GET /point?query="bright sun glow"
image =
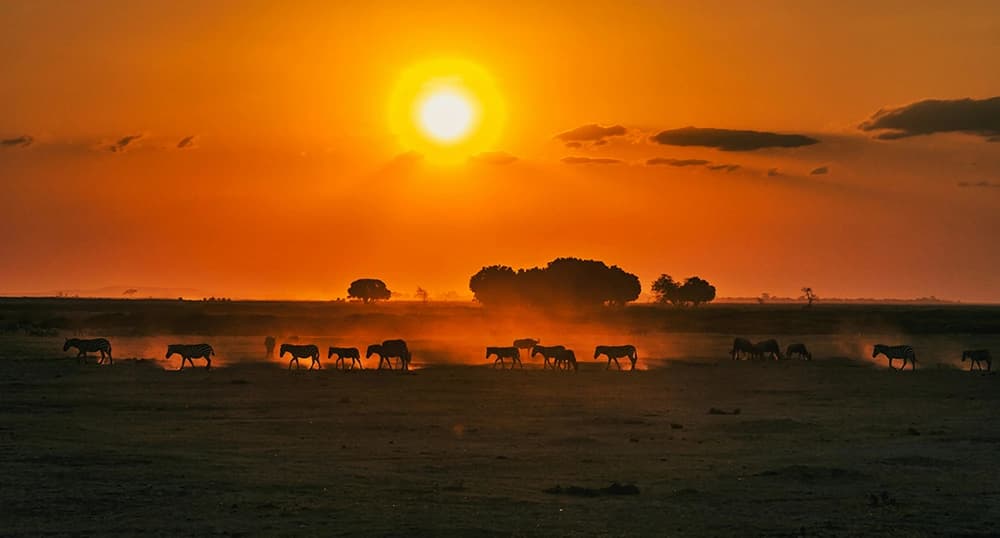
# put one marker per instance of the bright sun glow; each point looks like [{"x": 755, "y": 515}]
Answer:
[
  {"x": 447, "y": 110},
  {"x": 446, "y": 115}
]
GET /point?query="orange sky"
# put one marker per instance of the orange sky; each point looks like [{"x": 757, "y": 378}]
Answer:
[{"x": 295, "y": 183}]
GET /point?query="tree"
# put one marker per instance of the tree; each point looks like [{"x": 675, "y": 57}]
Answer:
[
  {"x": 667, "y": 290},
  {"x": 565, "y": 282},
  {"x": 368, "y": 290},
  {"x": 693, "y": 291},
  {"x": 810, "y": 296},
  {"x": 421, "y": 294},
  {"x": 697, "y": 291}
]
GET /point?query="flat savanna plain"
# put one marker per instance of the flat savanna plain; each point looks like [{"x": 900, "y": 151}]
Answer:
[{"x": 833, "y": 447}]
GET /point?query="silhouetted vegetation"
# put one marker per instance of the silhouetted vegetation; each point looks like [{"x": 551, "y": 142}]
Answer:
[
  {"x": 568, "y": 282},
  {"x": 368, "y": 290},
  {"x": 809, "y": 295},
  {"x": 693, "y": 291}
]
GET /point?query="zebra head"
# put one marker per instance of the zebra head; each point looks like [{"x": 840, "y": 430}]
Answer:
[
  {"x": 373, "y": 350},
  {"x": 67, "y": 345},
  {"x": 965, "y": 355},
  {"x": 171, "y": 349},
  {"x": 879, "y": 348}
]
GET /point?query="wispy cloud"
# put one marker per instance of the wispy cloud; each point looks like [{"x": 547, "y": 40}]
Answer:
[
  {"x": 187, "y": 142},
  {"x": 124, "y": 142},
  {"x": 730, "y": 139},
  {"x": 675, "y": 162},
  {"x": 592, "y": 133},
  {"x": 979, "y": 117},
  {"x": 19, "y": 142},
  {"x": 590, "y": 160},
  {"x": 822, "y": 170}
]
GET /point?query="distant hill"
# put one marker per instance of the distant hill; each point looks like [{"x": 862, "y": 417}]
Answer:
[{"x": 117, "y": 292}]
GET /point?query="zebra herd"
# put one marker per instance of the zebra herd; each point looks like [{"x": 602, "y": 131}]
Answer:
[{"x": 555, "y": 357}]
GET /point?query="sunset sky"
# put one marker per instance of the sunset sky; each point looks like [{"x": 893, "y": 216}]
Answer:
[{"x": 272, "y": 149}]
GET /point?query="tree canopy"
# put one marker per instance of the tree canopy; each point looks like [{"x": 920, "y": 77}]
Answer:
[
  {"x": 568, "y": 282},
  {"x": 693, "y": 291},
  {"x": 368, "y": 290}
]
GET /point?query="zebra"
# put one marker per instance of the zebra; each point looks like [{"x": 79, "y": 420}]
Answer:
[
  {"x": 564, "y": 359},
  {"x": 388, "y": 350},
  {"x": 896, "y": 352},
  {"x": 800, "y": 350},
  {"x": 89, "y": 346},
  {"x": 526, "y": 343},
  {"x": 767, "y": 347},
  {"x": 616, "y": 352},
  {"x": 502, "y": 353},
  {"x": 346, "y": 353},
  {"x": 192, "y": 351},
  {"x": 977, "y": 357},
  {"x": 269, "y": 346},
  {"x": 547, "y": 352},
  {"x": 300, "y": 352},
  {"x": 741, "y": 347}
]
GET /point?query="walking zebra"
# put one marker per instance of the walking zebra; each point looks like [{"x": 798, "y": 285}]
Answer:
[
  {"x": 767, "y": 347},
  {"x": 269, "y": 346},
  {"x": 896, "y": 352},
  {"x": 741, "y": 348},
  {"x": 547, "y": 352},
  {"x": 300, "y": 352},
  {"x": 800, "y": 350},
  {"x": 388, "y": 350},
  {"x": 617, "y": 352},
  {"x": 977, "y": 357},
  {"x": 90, "y": 346},
  {"x": 502, "y": 353},
  {"x": 345, "y": 353},
  {"x": 192, "y": 351},
  {"x": 526, "y": 343},
  {"x": 564, "y": 359}
]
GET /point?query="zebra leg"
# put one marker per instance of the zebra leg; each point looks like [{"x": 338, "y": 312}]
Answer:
[{"x": 618, "y": 364}]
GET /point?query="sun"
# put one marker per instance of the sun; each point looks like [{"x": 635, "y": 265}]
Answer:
[
  {"x": 448, "y": 110},
  {"x": 446, "y": 115}
]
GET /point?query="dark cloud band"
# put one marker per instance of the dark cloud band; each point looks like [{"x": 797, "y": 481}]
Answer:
[
  {"x": 980, "y": 117},
  {"x": 730, "y": 139}
]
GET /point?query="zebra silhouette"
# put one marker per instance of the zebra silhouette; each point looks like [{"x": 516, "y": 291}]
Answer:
[
  {"x": 346, "y": 353},
  {"x": 896, "y": 352},
  {"x": 388, "y": 350},
  {"x": 502, "y": 353},
  {"x": 304, "y": 351},
  {"x": 767, "y": 347},
  {"x": 526, "y": 343},
  {"x": 564, "y": 359},
  {"x": 547, "y": 353},
  {"x": 977, "y": 357},
  {"x": 613, "y": 353},
  {"x": 742, "y": 348},
  {"x": 800, "y": 350},
  {"x": 90, "y": 346},
  {"x": 192, "y": 351}
]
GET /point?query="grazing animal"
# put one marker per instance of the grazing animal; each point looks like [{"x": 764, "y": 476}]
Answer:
[
  {"x": 526, "y": 343},
  {"x": 977, "y": 357},
  {"x": 617, "y": 352},
  {"x": 502, "y": 353},
  {"x": 346, "y": 353},
  {"x": 388, "y": 350},
  {"x": 896, "y": 352},
  {"x": 547, "y": 352},
  {"x": 767, "y": 347},
  {"x": 90, "y": 346},
  {"x": 800, "y": 350},
  {"x": 741, "y": 348},
  {"x": 192, "y": 351},
  {"x": 300, "y": 352},
  {"x": 269, "y": 346},
  {"x": 564, "y": 359}
]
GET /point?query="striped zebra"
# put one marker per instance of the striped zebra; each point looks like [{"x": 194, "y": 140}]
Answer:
[
  {"x": 502, "y": 353},
  {"x": 617, "y": 352},
  {"x": 977, "y": 357},
  {"x": 192, "y": 351},
  {"x": 547, "y": 353},
  {"x": 800, "y": 350},
  {"x": 345, "y": 353},
  {"x": 564, "y": 359},
  {"x": 526, "y": 343},
  {"x": 742, "y": 348},
  {"x": 297, "y": 352},
  {"x": 90, "y": 346},
  {"x": 896, "y": 352},
  {"x": 269, "y": 346},
  {"x": 767, "y": 347},
  {"x": 388, "y": 350}
]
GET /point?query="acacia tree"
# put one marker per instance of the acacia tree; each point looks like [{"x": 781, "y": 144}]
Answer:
[
  {"x": 368, "y": 290},
  {"x": 693, "y": 291},
  {"x": 568, "y": 282}
]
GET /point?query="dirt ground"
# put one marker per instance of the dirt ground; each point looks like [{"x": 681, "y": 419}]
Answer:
[{"x": 832, "y": 447}]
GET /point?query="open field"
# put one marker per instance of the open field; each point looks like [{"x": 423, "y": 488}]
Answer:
[{"x": 833, "y": 447}]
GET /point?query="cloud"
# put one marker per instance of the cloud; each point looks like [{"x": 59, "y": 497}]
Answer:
[
  {"x": 820, "y": 171},
  {"x": 123, "y": 143},
  {"x": 676, "y": 162},
  {"x": 592, "y": 133},
  {"x": 730, "y": 139},
  {"x": 986, "y": 184},
  {"x": 186, "y": 142},
  {"x": 980, "y": 117},
  {"x": 772, "y": 172},
  {"x": 725, "y": 167},
  {"x": 494, "y": 157},
  {"x": 589, "y": 160},
  {"x": 19, "y": 142}
]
